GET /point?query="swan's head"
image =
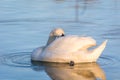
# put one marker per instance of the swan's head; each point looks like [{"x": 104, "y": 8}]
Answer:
[
  {"x": 58, "y": 32},
  {"x": 55, "y": 33}
]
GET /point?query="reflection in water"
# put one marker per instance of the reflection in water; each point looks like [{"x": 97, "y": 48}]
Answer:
[
  {"x": 77, "y": 11},
  {"x": 79, "y": 8},
  {"x": 87, "y": 71},
  {"x": 79, "y": 4},
  {"x": 59, "y": 1}
]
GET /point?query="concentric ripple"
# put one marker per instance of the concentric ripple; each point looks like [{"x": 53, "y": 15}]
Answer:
[
  {"x": 21, "y": 59},
  {"x": 107, "y": 61}
]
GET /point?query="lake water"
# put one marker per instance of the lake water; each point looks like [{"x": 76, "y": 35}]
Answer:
[{"x": 25, "y": 25}]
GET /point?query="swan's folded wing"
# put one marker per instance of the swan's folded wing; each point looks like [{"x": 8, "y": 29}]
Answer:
[{"x": 71, "y": 43}]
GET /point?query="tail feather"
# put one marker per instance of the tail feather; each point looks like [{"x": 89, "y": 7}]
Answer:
[{"x": 98, "y": 51}]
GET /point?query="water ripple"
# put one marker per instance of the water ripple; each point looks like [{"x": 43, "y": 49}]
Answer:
[
  {"x": 107, "y": 61},
  {"x": 22, "y": 59},
  {"x": 112, "y": 34}
]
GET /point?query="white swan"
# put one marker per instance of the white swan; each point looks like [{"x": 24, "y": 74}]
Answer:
[{"x": 64, "y": 49}]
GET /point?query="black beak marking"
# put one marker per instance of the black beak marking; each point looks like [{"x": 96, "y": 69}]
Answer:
[{"x": 62, "y": 35}]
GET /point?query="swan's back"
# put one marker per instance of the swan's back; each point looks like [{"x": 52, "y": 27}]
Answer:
[{"x": 71, "y": 43}]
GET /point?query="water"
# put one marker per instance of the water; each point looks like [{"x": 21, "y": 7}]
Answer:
[{"x": 25, "y": 25}]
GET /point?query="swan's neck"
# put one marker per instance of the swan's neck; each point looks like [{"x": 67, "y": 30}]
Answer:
[{"x": 51, "y": 39}]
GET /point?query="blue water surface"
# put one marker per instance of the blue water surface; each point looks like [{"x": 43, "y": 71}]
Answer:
[{"x": 26, "y": 24}]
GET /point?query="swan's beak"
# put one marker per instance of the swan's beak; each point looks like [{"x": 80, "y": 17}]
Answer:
[{"x": 62, "y": 35}]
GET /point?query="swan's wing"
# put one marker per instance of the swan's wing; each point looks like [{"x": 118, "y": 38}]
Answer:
[{"x": 71, "y": 43}]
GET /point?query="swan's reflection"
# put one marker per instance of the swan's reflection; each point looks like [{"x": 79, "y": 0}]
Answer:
[{"x": 87, "y": 71}]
